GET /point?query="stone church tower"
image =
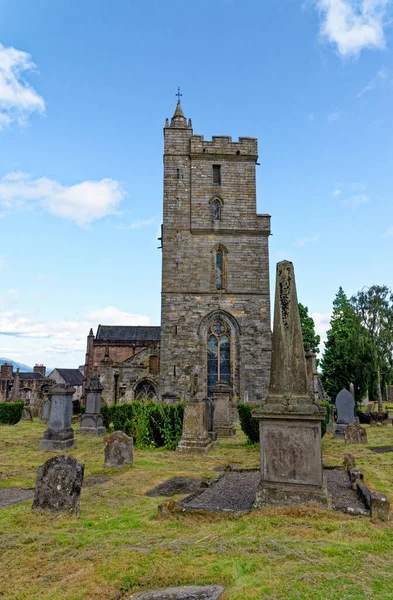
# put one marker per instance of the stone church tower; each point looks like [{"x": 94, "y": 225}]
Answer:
[{"x": 215, "y": 315}]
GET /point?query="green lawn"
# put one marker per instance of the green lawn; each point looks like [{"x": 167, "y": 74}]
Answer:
[{"x": 119, "y": 546}]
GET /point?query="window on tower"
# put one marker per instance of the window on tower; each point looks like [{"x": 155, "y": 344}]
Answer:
[
  {"x": 216, "y": 210},
  {"x": 220, "y": 270},
  {"x": 217, "y": 174}
]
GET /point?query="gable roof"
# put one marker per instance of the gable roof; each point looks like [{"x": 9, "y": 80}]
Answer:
[
  {"x": 127, "y": 333},
  {"x": 29, "y": 376},
  {"x": 71, "y": 376}
]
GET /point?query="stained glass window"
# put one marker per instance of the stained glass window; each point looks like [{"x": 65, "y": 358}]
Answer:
[
  {"x": 145, "y": 391},
  {"x": 219, "y": 270},
  {"x": 216, "y": 210},
  {"x": 218, "y": 355}
]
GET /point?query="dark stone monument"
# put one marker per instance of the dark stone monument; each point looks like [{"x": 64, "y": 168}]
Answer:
[
  {"x": 59, "y": 435},
  {"x": 223, "y": 420},
  {"x": 58, "y": 487},
  {"x": 289, "y": 419},
  {"x": 355, "y": 434},
  {"x": 345, "y": 406},
  {"x": 91, "y": 421},
  {"x": 119, "y": 450}
]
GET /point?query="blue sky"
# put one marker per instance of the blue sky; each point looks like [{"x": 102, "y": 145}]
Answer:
[{"x": 85, "y": 88}]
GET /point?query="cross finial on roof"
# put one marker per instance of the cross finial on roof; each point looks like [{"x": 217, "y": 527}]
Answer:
[{"x": 178, "y": 95}]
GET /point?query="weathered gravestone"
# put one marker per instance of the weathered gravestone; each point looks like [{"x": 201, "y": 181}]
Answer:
[
  {"x": 118, "y": 450},
  {"x": 223, "y": 422},
  {"x": 355, "y": 434},
  {"x": 195, "y": 437},
  {"x": 289, "y": 419},
  {"x": 186, "y": 592},
  {"x": 59, "y": 484},
  {"x": 91, "y": 421},
  {"x": 26, "y": 414},
  {"x": 45, "y": 411},
  {"x": 345, "y": 406},
  {"x": 210, "y": 418},
  {"x": 59, "y": 435}
]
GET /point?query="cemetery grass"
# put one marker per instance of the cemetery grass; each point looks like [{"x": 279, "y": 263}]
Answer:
[{"x": 119, "y": 545}]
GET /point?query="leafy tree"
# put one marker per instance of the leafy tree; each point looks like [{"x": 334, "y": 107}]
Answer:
[
  {"x": 310, "y": 338},
  {"x": 374, "y": 308},
  {"x": 347, "y": 352}
]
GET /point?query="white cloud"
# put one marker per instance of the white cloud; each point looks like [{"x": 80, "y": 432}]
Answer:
[
  {"x": 322, "y": 325},
  {"x": 57, "y": 341},
  {"x": 357, "y": 200},
  {"x": 335, "y": 116},
  {"x": 139, "y": 224},
  {"x": 82, "y": 202},
  {"x": 9, "y": 297},
  {"x": 353, "y": 25},
  {"x": 306, "y": 240},
  {"x": 380, "y": 78},
  {"x": 389, "y": 232},
  {"x": 17, "y": 98},
  {"x": 336, "y": 192}
]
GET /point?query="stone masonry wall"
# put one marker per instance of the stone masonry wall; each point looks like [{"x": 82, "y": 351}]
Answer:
[{"x": 190, "y": 242}]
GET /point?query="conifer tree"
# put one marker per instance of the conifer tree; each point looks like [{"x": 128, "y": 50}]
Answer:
[{"x": 310, "y": 338}]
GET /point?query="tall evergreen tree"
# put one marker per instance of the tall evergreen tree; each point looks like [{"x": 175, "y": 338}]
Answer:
[
  {"x": 346, "y": 356},
  {"x": 310, "y": 338},
  {"x": 374, "y": 308}
]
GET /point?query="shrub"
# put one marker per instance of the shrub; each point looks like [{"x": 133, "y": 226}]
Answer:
[
  {"x": 10, "y": 412},
  {"x": 248, "y": 423},
  {"x": 106, "y": 415},
  {"x": 150, "y": 424}
]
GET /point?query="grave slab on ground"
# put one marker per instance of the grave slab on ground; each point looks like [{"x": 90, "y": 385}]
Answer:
[
  {"x": 189, "y": 592},
  {"x": 178, "y": 485}
]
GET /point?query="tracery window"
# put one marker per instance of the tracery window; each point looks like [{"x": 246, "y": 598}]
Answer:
[
  {"x": 218, "y": 354},
  {"x": 145, "y": 391}
]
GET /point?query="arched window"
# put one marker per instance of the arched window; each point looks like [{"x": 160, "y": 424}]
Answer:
[
  {"x": 216, "y": 210},
  {"x": 220, "y": 269},
  {"x": 218, "y": 354},
  {"x": 145, "y": 391}
]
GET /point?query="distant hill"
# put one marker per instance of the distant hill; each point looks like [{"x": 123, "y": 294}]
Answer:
[{"x": 16, "y": 365}]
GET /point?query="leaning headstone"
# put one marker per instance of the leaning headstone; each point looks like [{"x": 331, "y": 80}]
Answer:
[
  {"x": 45, "y": 411},
  {"x": 289, "y": 419},
  {"x": 118, "y": 450},
  {"x": 91, "y": 421},
  {"x": 195, "y": 437},
  {"x": 355, "y": 434},
  {"x": 345, "y": 405},
  {"x": 223, "y": 423},
  {"x": 186, "y": 592},
  {"x": 59, "y": 435},
  {"x": 58, "y": 487}
]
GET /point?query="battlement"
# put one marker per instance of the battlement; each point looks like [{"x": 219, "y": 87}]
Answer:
[{"x": 222, "y": 144}]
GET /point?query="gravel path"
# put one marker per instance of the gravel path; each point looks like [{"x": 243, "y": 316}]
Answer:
[
  {"x": 232, "y": 491},
  {"x": 236, "y": 491},
  {"x": 10, "y": 496}
]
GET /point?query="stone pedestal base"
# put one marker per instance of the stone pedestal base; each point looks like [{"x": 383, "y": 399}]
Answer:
[
  {"x": 91, "y": 424},
  {"x": 288, "y": 494},
  {"x": 226, "y": 430},
  {"x": 58, "y": 440},
  {"x": 213, "y": 436},
  {"x": 194, "y": 446},
  {"x": 339, "y": 430}
]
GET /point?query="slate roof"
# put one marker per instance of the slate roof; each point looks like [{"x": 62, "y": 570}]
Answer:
[
  {"x": 128, "y": 333},
  {"x": 71, "y": 376},
  {"x": 25, "y": 376}
]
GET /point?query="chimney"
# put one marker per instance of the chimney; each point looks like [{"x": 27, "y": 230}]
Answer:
[
  {"x": 40, "y": 369},
  {"x": 6, "y": 371}
]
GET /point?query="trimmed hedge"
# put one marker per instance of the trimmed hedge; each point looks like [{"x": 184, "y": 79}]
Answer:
[
  {"x": 248, "y": 423},
  {"x": 150, "y": 424},
  {"x": 10, "y": 412}
]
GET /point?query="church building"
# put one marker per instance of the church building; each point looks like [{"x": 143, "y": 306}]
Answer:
[{"x": 215, "y": 304}]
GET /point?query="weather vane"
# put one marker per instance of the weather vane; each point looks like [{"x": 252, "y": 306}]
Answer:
[{"x": 178, "y": 94}]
